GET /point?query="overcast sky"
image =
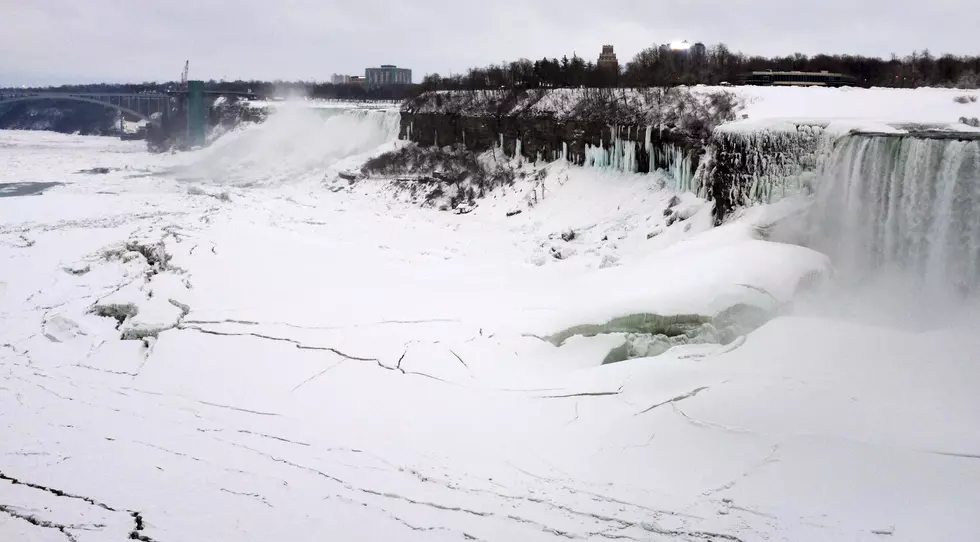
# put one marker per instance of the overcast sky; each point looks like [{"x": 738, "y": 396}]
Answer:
[{"x": 58, "y": 41}]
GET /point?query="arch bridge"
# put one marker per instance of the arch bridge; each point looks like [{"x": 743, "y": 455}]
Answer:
[{"x": 141, "y": 105}]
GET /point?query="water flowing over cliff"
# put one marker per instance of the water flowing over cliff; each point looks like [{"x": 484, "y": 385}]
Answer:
[
  {"x": 294, "y": 144},
  {"x": 904, "y": 204}
]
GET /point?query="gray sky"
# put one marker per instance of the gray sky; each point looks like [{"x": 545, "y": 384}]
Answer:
[{"x": 56, "y": 41}]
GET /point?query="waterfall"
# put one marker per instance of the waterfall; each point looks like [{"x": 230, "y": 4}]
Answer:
[
  {"x": 903, "y": 204},
  {"x": 296, "y": 143}
]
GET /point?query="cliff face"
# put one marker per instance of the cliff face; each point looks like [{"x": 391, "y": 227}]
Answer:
[
  {"x": 550, "y": 139},
  {"x": 634, "y": 130},
  {"x": 741, "y": 167}
]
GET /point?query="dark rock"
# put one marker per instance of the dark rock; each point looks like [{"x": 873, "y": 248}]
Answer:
[
  {"x": 96, "y": 171},
  {"x": 514, "y": 212},
  {"x": 545, "y": 137},
  {"x": 568, "y": 236}
]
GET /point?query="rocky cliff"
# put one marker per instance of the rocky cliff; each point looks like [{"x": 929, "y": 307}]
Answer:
[{"x": 633, "y": 130}]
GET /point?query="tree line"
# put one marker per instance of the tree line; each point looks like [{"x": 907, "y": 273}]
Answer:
[
  {"x": 655, "y": 66},
  {"x": 660, "y": 65},
  {"x": 262, "y": 89}
]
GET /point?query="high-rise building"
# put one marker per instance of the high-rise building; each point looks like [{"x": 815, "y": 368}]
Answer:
[
  {"x": 607, "y": 59},
  {"x": 388, "y": 74},
  {"x": 338, "y": 79}
]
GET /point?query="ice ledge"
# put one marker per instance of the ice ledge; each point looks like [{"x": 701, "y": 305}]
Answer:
[{"x": 938, "y": 130}]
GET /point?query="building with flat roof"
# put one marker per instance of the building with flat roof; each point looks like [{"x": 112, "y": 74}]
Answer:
[
  {"x": 338, "y": 79},
  {"x": 388, "y": 74},
  {"x": 797, "y": 78}
]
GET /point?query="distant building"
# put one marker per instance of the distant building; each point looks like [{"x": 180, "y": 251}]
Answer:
[
  {"x": 356, "y": 80},
  {"x": 388, "y": 74},
  {"x": 338, "y": 79},
  {"x": 607, "y": 59},
  {"x": 803, "y": 79},
  {"x": 699, "y": 49}
]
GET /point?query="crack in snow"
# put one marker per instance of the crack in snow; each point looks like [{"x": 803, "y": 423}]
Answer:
[
  {"x": 710, "y": 425},
  {"x": 459, "y": 358},
  {"x": 324, "y": 328},
  {"x": 138, "y": 523},
  {"x": 33, "y": 520},
  {"x": 263, "y": 435},
  {"x": 584, "y": 394},
  {"x": 575, "y": 419},
  {"x": 959, "y": 455},
  {"x": 302, "y": 346},
  {"x": 765, "y": 461},
  {"x": 162, "y": 449},
  {"x": 703, "y": 535},
  {"x": 255, "y": 496},
  {"x": 294, "y": 342},
  {"x": 400, "y": 520},
  {"x": 237, "y": 409},
  {"x": 679, "y": 398},
  {"x": 318, "y": 375},
  {"x": 648, "y": 443},
  {"x": 402, "y": 358},
  {"x": 601, "y": 497},
  {"x": 448, "y": 508},
  {"x": 107, "y": 371}
]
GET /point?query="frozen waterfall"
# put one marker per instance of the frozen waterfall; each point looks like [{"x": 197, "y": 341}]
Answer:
[
  {"x": 623, "y": 154},
  {"x": 902, "y": 204}
]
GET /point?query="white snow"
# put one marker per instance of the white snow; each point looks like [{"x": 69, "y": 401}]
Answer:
[
  {"x": 921, "y": 105},
  {"x": 354, "y": 367},
  {"x": 845, "y": 109}
]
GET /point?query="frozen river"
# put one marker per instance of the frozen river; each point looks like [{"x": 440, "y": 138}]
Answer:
[{"x": 226, "y": 345}]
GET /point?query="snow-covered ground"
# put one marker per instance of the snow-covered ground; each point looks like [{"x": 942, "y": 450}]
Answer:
[
  {"x": 307, "y": 361},
  {"x": 883, "y": 105}
]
